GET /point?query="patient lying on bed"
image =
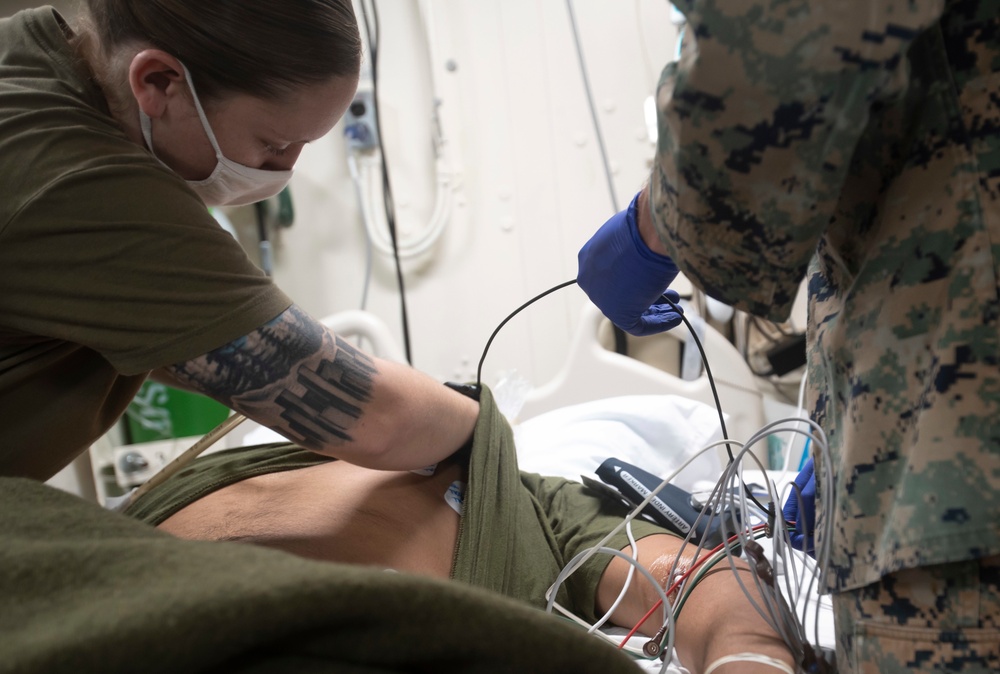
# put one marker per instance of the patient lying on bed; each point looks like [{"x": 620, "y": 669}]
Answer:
[{"x": 475, "y": 518}]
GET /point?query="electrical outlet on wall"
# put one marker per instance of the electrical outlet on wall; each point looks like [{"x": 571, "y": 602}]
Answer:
[{"x": 360, "y": 127}]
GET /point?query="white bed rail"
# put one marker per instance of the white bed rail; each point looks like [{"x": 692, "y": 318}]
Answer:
[
  {"x": 358, "y": 323},
  {"x": 591, "y": 372}
]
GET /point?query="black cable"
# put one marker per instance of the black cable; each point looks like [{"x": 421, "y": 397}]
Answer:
[
  {"x": 479, "y": 370},
  {"x": 715, "y": 395},
  {"x": 701, "y": 350},
  {"x": 621, "y": 340},
  {"x": 390, "y": 209}
]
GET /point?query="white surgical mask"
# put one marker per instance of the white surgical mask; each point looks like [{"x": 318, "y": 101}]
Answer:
[{"x": 231, "y": 184}]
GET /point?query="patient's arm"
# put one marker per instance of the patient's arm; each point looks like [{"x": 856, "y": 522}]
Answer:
[
  {"x": 298, "y": 378},
  {"x": 717, "y": 619}
]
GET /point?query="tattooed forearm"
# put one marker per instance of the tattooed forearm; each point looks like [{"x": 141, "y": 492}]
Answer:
[
  {"x": 332, "y": 399},
  {"x": 291, "y": 374},
  {"x": 254, "y": 361}
]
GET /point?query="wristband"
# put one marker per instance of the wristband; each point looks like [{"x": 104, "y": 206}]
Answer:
[{"x": 469, "y": 391}]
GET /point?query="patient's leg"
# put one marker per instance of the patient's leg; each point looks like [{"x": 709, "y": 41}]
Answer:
[
  {"x": 717, "y": 619},
  {"x": 336, "y": 512}
]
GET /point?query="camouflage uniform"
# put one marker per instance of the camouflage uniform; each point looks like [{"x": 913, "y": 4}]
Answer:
[{"x": 858, "y": 141}]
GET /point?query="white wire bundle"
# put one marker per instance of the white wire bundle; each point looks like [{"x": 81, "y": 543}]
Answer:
[
  {"x": 409, "y": 246},
  {"x": 733, "y": 500},
  {"x": 729, "y": 496},
  {"x": 366, "y": 171},
  {"x": 581, "y": 558}
]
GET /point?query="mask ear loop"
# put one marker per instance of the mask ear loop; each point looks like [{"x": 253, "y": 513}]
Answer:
[
  {"x": 202, "y": 116},
  {"x": 146, "y": 127},
  {"x": 146, "y": 124}
]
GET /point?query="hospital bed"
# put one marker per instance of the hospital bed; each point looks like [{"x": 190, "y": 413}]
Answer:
[
  {"x": 592, "y": 370},
  {"x": 600, "y": 404}
]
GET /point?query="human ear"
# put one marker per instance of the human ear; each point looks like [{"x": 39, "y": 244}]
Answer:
[{"x": 155, "y": 77}]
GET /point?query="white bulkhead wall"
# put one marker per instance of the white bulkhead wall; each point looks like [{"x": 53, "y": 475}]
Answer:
[{"x": 527, "y": 184}]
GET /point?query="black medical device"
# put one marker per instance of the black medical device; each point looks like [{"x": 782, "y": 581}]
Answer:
[{"x": 672, "y": 507}]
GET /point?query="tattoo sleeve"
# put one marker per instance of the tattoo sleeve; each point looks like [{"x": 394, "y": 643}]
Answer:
[{"x": 292, "y": 375}]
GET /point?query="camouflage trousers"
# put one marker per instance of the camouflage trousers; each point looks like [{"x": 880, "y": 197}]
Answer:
[{"x": 942, "y": 618}]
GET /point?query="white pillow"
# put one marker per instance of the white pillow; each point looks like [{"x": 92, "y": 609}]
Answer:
[{"x": 654, "y": 432}]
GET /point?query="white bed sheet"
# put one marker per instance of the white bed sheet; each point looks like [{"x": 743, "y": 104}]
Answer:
[{"x": 655, "y": 432}]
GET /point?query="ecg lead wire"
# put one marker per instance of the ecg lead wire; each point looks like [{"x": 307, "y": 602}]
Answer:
[{"x": 775, "y": 612}]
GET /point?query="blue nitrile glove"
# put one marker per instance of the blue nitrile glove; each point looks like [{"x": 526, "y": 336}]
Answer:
[
  {"x": 627, "y": 280},
  {"x": 803, "y": 513}
]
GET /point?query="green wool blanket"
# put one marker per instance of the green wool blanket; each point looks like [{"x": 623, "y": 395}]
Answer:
[{"x": 83, "y": 590}]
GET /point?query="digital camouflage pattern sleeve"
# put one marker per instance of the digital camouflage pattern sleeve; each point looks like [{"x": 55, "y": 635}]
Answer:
[{"x": 857, "y": 143}]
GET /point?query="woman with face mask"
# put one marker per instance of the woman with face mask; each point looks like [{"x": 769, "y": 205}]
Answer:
[{"x": 116, "y": 132}]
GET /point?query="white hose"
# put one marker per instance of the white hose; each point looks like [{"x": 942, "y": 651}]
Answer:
[
  {"x": 374, "y": 217},
  {"x": 368, "y": 180}
]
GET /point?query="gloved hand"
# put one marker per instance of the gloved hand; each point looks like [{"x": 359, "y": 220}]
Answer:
[
  {"x": 803, "y": 512},
  {"x": 625, "y": 279}
]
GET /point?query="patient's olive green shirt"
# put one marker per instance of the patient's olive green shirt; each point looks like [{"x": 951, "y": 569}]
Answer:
[
  {"x": 518, "y": 531},
  {"x": 110, "y": 266}
]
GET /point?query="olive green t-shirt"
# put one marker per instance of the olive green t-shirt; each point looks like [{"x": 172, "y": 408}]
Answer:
[
  {"x": 518, "y": 531},
  {"x": 110, "y": 265}
]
